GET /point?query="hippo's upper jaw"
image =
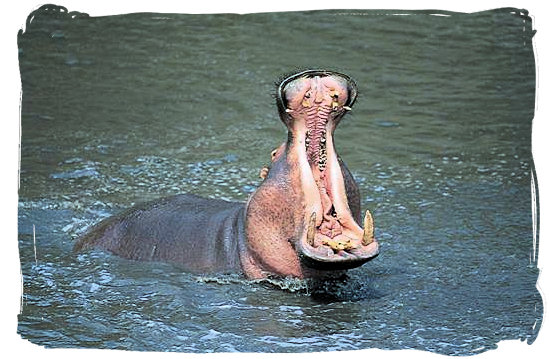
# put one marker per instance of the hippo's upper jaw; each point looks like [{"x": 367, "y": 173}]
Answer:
[{"x": 310, "y": 181}]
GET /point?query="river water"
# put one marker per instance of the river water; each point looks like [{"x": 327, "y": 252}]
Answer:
[{"x": 117, "y": 110}]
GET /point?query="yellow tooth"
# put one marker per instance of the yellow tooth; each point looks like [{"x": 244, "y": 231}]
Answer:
[
  {"x": 338, "y": 244},
  {"x": 263, "y": 172},
  {"x": 305, "y": 103},
  {"x": 368, "y": 232},
  {"x": 311, "y": 229},
  {"x": 334, "y": 104}
]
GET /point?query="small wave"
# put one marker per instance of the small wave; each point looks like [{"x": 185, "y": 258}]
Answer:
[{"x": 289, "y": 284}]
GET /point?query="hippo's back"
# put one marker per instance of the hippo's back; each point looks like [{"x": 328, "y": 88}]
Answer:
[{"x": 199, "y": 234}]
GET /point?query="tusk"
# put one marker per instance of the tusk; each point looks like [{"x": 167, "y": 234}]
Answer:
[
  {"x": 347, "y": 108},
  {"x": 368, "y": 232},
  {"x": 311, "y": 229},
  {"x": 288, "y": 110}
]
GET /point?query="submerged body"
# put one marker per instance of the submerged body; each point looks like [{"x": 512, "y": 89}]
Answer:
[
  {"x": 201, "y": 235},
  {"x": 301, "y": 222}
]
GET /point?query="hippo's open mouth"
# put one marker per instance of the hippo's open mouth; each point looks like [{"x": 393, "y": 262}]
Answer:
[{"x": 312, "y": 103}]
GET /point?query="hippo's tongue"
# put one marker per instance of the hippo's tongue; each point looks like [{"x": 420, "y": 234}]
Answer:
[{"x": 332, "y": 239}]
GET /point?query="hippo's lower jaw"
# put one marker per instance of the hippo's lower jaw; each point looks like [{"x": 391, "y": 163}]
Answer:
[
  {"x": 318, "y": 251},
  {"x": 332, "y": 239}
]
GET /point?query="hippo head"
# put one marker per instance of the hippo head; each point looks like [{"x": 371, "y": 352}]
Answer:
[{"x": 301, "y": 221}]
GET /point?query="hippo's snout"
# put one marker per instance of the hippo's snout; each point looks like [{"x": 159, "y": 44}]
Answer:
[
  {"x": 314, "y": 103},
  {"x": 317, "y": 192}
]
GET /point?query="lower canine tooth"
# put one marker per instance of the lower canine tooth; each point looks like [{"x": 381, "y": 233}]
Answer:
[
  {"x": 347, "y": 108},
  {"x": 368, "y": 232},
  {"x": 311, "y": 229}
]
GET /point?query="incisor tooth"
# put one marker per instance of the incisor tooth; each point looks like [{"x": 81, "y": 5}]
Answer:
[
  {"x": 311, "y": 229},
  {"x": 368, "y": 232}
]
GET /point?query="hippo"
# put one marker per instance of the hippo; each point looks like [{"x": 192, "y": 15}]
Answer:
[{"x": 301, "y": 222}]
